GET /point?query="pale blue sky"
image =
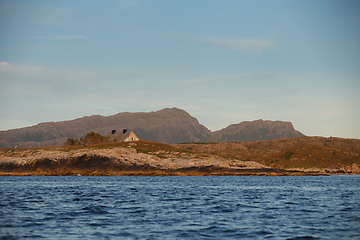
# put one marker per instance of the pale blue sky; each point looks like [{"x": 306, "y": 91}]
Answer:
[{"x": 224, "y": 62}]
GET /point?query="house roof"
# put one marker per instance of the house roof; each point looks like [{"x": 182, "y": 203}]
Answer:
[{"x": 119, "y": 136}]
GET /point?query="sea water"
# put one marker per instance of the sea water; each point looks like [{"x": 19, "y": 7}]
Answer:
[{"x": 79, "y": 207}]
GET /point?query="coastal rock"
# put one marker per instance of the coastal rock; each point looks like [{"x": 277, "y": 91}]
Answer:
[
  {"x": 125, "y": 156},
  {"x": 354, "y": 169}
]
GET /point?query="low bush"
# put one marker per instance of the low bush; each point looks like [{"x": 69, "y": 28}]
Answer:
[{"x": 90, "y": 139}]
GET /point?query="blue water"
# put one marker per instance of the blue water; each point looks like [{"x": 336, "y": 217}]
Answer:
[{"x": 71, "y": 207}]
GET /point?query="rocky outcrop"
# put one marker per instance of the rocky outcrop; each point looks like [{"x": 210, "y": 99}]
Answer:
[
  {"x": 354, "y": 168},
  {"x": 271, "y": 157},
  {"x": 126, "y": 161},
  {"x": 125, "y": 156}
]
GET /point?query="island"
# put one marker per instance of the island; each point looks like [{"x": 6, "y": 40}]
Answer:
[{"x": 280, "y": 157}]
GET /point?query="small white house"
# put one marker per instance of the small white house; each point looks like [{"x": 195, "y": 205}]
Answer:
[{"x": 124, "y": 136}]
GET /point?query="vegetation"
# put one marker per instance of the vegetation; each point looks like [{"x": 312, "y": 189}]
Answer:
[
  {"x": 97, "y": 165},
  {"x": 302, "y": 152},
  {"x": 91, "y": 138},
  {"x": 95, "y": 138},
  {"x": 72, "y": 142}
]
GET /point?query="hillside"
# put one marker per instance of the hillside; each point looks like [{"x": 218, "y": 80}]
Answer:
[
  {"x": 166, "y": 126},
  {"x": 142, "y": 158},
  {"x": 283, "y": 157},
  {"x": 254, "y": 131},
  {"x": 301, "y": 153}
]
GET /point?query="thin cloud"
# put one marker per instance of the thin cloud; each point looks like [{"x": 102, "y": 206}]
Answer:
[
  {"x": 37, "y": 47},
  {"x": 123, "y": 5},
  {"x": 19, "y": 74},
  {"x": 73, "y": 37},
  {"x": 239, "y": 44},
  {"x": 7, "y": 68},
  {"x": 28, "y": 12},
  {"x": 253, "y": 77}
]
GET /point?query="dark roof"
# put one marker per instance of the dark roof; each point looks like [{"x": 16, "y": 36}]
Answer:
[{"x": 119, "y": 136}]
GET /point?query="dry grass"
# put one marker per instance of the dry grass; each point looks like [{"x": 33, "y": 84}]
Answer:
[
  {"x": 281, "y": 154},
  {"x": 303, "y": 152}
]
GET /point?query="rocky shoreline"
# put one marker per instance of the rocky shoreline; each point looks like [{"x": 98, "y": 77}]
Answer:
[{"x": 116, "y": 161}]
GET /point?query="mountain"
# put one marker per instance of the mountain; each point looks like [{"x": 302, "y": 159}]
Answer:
[
  {"x": 169, "y": 125},
  {"x": 255, "y": 130}
]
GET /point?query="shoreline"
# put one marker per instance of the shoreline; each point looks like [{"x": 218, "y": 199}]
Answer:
[
  {"x": 140, "y": 159},
  {"x": 146, "y": 170}
]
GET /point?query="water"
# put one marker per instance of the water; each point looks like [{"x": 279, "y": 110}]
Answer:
[{"x": 72, "y": 207}]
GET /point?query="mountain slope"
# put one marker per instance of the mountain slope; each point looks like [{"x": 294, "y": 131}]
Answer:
[
  {"x": 167, "y": 126},
  {"x": 255, "y": 130}
]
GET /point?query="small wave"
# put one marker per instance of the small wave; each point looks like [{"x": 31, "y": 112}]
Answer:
[
  {"x": 263, "y": 232},
  {"x": 301, "y": 237},
  {"x": 96, "y": 224},
  {"x": 31, "y": 224},
  {"x": 309, "y": 210},
  {"x": 94, "y": 210},
  {"x": 137, "y": 211},
  {"x": 346, "y": 209},
  {"x": 9, "y": 237},
  {"x": 211, "y": 228}
]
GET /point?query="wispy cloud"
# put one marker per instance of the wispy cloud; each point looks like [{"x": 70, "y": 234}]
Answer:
[
  {"x": 7, "y": 69},
  {"x": 239, "y": 44},
  {"x": 253, "y": 77},
  {"x": 29, "y": 48},
  {"x": 28, "y": 12},
  {"x": 72, "y": 37},
  {"x": 123, "y": 5},
  {"x": 37, "y": 47},
  {"x": 21, "y": 74}
]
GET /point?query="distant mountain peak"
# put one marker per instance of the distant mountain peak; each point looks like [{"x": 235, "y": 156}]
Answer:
[
  {"x": 255, "y": 130},
  {"x": 169, "y": 125}
]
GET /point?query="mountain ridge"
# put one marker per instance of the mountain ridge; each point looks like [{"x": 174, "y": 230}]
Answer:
[
  {"x": 244, "y": 131},
  {"x": 168, "y": 125}
]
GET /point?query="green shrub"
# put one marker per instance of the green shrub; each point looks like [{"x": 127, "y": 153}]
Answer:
[
  {"x": 90, "y": 138},
  {"x": 288, "y": 155},
  {"x": 72, "y": 142}
]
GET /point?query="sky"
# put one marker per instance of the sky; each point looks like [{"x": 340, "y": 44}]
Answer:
[{"x": 223, "y": 62}]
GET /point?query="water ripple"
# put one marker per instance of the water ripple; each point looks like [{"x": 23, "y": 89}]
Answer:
[{"x": 180, "y": 207}]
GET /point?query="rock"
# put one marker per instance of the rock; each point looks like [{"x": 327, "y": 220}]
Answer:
[{"x": 354, "y": 169}]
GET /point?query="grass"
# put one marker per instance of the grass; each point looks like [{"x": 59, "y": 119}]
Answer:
[{"x": 306, "y": 152}]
